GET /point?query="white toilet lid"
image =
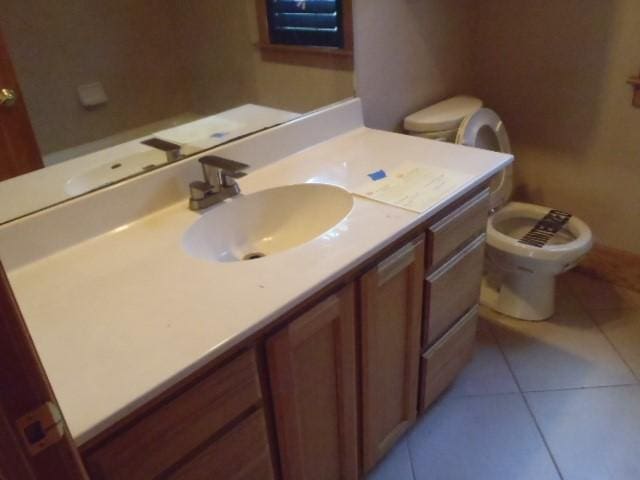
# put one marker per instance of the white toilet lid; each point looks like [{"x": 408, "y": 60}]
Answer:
[{"x": 484, "y": 129}]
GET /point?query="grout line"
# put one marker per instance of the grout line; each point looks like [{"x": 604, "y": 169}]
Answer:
[
  {"x": 615, "y": 349},
  {"x": 413, "y": 468},
  {"x": 593, "y": 387},
  {"x": 544, "y": 440},
  {"x": 589, "y": 311},
  {"x": 480, "y": 395},
  {"x": 524, "y": 399}
]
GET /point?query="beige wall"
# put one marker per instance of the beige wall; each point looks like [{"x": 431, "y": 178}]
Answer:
[
  {"x": 214, "y": 42},
  {"x": 227, "y": 68},
  {"x": 296, "y": 87},
  {"x": 555, "y": 71},
  {"x": 409, "y": 53},
  {"x": 125, "y": 44}
]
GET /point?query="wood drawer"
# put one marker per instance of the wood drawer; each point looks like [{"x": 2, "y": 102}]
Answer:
[
  {"x": 452, "y": 290},
  {"x": 442, "y": 362},
  {"x": 240, "y": 454},
  {"x": 457, "y": 228},
  {"x": 170, "y": 432}
]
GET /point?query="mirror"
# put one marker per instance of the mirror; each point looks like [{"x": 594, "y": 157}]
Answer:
[{"x": 100, "y": 77}]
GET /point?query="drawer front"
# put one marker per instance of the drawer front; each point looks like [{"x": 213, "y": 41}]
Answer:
[
  {"x": 457, "y": 228},
  {"x": 240, "y": 454},
  {"x": 442, "y": 362},
  {"x": 173, "y": 430},
  {"x": 452, "y": 290}
]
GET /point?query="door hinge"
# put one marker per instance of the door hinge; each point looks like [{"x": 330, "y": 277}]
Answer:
[{"x": 41, "y": 427}]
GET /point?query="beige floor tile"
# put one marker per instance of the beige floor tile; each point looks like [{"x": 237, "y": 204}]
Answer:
[
  {"x": 593, "y": 434},
  {"x": 488, "y": 373},
  {"x": 567, "y": 351},
  {"x": 622, "y": 328},
  {"x": 478, "y": 438},
  {"x": 597, "y": 295},
  {"x": 395, "y": 466}
]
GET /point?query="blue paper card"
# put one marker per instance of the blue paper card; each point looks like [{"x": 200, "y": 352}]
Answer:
[{"x": 379, "y": 175}]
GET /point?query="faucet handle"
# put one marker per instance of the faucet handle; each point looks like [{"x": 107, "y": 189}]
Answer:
[
  {"x": 172, "y": 150},
  {"x": 229, "y": 166},
  {"x": 227, "y": 178},
  {"x": 220, "y": 172}
]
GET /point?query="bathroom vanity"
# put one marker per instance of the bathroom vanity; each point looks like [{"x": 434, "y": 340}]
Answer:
[{"x": 308, "y": 363}]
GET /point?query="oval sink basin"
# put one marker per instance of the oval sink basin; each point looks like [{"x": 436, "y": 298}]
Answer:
[{"x": 248, "y": 227}]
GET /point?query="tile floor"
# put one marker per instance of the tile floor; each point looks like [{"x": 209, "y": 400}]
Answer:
[{"x": 549, "y": 400}]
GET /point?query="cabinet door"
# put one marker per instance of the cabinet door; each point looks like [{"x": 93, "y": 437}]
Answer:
[
  {"x": 312, "y": 369},
  {"x": 391, "y": 297}
]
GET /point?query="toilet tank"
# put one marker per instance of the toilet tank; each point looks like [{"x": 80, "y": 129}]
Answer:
[{"x": 442, "y": 119}]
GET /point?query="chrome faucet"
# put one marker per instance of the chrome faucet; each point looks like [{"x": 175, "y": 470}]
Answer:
[
  {"x": 219, "y": 181},
  {"x": 171, "y": 150}
]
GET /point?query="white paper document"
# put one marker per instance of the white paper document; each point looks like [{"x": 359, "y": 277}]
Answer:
[{"x": 413, "y": 187}]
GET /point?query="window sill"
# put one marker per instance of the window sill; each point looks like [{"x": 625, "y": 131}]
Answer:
[{"x": 319, "y": 57}]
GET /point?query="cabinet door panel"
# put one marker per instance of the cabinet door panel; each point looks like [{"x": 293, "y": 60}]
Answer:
[
  {"x": 312, "y": 369},
  {"x": 391, "y": 300},
  {"x": 240, "y": 454}
]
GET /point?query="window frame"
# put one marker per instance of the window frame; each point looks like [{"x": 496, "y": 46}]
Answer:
[{"x": 324, "y": 57}]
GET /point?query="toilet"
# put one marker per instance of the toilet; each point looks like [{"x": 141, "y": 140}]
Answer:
[{"x": 527, "y": 245}]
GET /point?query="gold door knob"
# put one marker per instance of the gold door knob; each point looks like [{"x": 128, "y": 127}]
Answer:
[{"x": 8, "y": 97}]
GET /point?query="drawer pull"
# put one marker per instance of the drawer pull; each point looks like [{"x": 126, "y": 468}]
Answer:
[{"x": 453, "y": 260}]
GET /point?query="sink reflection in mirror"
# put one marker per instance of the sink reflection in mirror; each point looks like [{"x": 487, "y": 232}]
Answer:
[
  {"x": 113, "y": 171},
  {"x": 249, "y": 227}
]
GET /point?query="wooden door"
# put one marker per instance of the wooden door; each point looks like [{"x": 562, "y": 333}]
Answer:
[
  {"x": 19, "y": 152},
  {"x": 312, "y": 370},
  {"x": 24, "y": 388},
  {"x": 391, "y": 306}
]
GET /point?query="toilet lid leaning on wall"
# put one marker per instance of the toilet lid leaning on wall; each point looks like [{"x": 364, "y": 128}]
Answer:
[{"x": 484, "y": 129}]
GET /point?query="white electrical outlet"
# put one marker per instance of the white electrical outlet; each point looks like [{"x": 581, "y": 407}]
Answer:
[{"x": 92, "y": 94}]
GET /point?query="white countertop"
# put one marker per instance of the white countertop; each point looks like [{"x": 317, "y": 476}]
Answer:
[{"x": 122, "y": 316}]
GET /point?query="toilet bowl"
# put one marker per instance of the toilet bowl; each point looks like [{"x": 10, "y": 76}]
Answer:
[{"x": 527, "y": 245}]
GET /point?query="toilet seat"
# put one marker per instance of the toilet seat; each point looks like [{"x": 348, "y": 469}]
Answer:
[
  {"x": 484, "y": 129},
  {"x": 550, "y": 252},
  {"x": 472, "y": 127}
]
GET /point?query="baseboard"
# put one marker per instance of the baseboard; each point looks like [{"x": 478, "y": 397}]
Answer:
[{"x": 612, "y": 265}]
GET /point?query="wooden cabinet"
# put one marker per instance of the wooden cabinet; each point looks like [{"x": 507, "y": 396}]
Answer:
[
  {"x": 454, "y": 264},
  {"x": 342, "y": 388},
  {"x": 168, "y": 436},
  {"x": 240, "y": 454},
  {"x": 452, "y": 290},
  {"x": 312, "y": 371},
  {"x": 442, "y": 362},
  {"x": 391, "y": 314},
  {"x": 458, "y": 227}
]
